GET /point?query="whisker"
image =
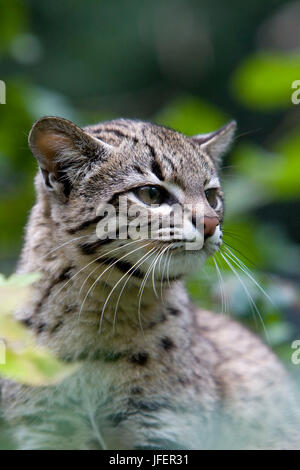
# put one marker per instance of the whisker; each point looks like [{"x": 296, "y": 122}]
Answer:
[
  {"x": 88, "y": 264},
  {"x": 141, "y": 290},
  {"x": 223, "y": 299},
  {"x": 159, "y": 253},
  {"x": 232, "y": 234},
  {"x": 162, "y": 274},
  {"x": 239, "y": 252},
  {"x": 164, "y": 268},
  {"x": 246, "y": 271},
  {"x": 152, "y": 268},
  {"x": 136, "y": 266},
  {"x": 251, "y": 131},
  {"x": 249, "y": 296},
  {"x": 102, "y": 255},
  {"x": 168, "y": 268},
  {"x": 252, "y": 305},
  {"x": 105, "y": 270},
  {"x": 63, "y": 244},
  {"x": 159, "y": 257},
  {"x": 118, "y": 282}
]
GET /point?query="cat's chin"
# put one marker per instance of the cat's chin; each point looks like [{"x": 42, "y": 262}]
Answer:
[
  {"x": 187, "y": 259},
  {"x": 184, "y": 262}
]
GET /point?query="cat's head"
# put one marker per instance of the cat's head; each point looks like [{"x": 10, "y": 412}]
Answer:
[{"x": 104, "y": 184}]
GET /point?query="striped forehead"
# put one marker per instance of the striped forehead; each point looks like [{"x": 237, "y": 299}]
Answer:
[
  {"x": 172, "y": 157},
  {"x": 188, "y": 170},
  {"x": 184, "y": 166}
]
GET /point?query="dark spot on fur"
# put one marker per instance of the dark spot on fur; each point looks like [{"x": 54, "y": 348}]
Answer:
[
  {"x": 136, "y": 390},
  {"x": 51, "y": 257},
  {"x": 117, "y": 133},
  {"x": 64, "y": 275},
  {"x": 110, "y": 356},
  {"x": 183, "y": 381},
  {"x": 91, "y": 248},
  {"x": 85, "y": 224},
  {"x": 167, "y": 159},
  {"x": 56, "y": 327},
  {"x": 178, "y": 181},
  {"x": 163, "y": 318},
  {"x": 27, "y": 322},
  {"x": 41, "y": 327},
  {"x": 123, "y": 266},
  {"x": 155, "y": 168},
  {"x": 174, "y": 311},
  {"x": 167, "y": 343},
  {"x": 138, "y": 169},
  {"x": 140, "y": 358},
  {"x": 117, "y": 418},
  {"x": 82, "y": 356},
  {"x": 148, "y": 405},
  {"x": 160, "y": 320},
  {"x": 63, "y": 178},
  {"x": 69, "y": 308}
]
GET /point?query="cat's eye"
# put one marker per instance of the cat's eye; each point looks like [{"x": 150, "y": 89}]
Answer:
[
  {"x": 151, "y": 194},
  {"x": 211, "y": 196}
]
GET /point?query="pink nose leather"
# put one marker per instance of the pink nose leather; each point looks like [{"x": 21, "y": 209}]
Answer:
[{"x": 210, "y": 224}]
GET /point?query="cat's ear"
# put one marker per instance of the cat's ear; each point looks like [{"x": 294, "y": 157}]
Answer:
[
  {"x": 62, "y": 149},
  {"x": 215, "y": 144}
]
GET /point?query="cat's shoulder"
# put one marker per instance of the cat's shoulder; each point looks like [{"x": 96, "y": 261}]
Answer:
[{"x": 243, "y": 356}]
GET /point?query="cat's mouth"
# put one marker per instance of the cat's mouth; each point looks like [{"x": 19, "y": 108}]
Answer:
[
  {"x": 178, "y": 261},
  {"x": 193, "y": 246}
]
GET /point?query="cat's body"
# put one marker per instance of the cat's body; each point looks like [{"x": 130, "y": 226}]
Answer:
[{"x": 154, "y": 371}]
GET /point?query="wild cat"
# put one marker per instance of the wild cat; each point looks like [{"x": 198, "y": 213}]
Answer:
[{"x": 154, "y": 371}]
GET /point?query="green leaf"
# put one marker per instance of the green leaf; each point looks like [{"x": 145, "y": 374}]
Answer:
[
  {"x": 272, "y": 175},
  {"x": 191, "y": 115},
  {"x": 264, "y": 80},
  {"x": 34, "y": 366},
  {"x": 25, "y": 361}
]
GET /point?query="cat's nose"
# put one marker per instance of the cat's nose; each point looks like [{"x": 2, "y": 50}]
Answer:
[{"x": 210, "y": 224}]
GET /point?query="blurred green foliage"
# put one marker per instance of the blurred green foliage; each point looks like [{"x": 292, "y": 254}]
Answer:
[
  {"x": 264, "y": 80},
  {"x": 21, "y": 358},
  {"x": 192, "y": 66}
]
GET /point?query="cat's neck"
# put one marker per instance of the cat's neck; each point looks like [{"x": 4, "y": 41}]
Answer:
[{"x": 77, "y": 319}]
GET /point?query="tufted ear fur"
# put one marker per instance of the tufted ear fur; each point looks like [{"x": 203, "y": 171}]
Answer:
[
  {"x": 63, "y": 150},
  {"x": 215, "y": 144}
]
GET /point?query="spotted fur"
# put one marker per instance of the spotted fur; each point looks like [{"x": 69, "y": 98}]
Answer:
[{"x": 156, "y": 372}]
